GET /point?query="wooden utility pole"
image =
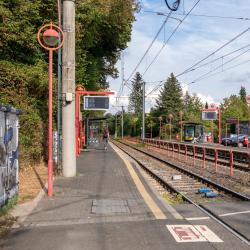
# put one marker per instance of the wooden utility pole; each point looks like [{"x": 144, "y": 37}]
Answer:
[{"x": 68, "y": 91}]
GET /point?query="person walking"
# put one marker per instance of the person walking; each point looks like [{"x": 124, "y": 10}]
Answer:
[{"x": 105, "y": 137}]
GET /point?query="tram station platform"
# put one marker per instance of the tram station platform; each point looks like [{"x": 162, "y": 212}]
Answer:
[{"x": 109, "y": 205}]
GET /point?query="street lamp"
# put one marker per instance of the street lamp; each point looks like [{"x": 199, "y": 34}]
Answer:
[
  {"x": 170, "y": 116},
  {"x": 48, "y": 37}
]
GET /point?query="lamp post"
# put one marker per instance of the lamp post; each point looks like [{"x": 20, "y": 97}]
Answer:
[
  {"x": 170, "y": 116},
  {"x": 48, "y": 37}
]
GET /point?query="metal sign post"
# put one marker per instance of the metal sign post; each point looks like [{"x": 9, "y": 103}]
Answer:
[{"x": 81, "y": 91}]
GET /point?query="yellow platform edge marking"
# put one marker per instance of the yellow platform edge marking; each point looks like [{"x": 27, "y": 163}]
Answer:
[{"x": 157, "y": 212}]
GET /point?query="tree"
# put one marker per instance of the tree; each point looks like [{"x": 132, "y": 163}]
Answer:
[
  {"x": 103, "y": 31},
  {"x": 206, "y": 105},
  {"x": 103, "y": 28},
  {"x": 136, "y": 96},
  {"x": 192, "y": 108},
  {"x": 243, "y": 94},
  {"x": 170, "y": 98},
  {"x": 234, "y": 107}
]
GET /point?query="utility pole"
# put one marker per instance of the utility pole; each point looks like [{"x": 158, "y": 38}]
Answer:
[
  {"x": 115, "y": 126},
  {"x": 143, "y": 110},
  {"x": 122, "y": 122},
  {"x": 59, "y": 84},
  {"x": 68, "y": 90}
]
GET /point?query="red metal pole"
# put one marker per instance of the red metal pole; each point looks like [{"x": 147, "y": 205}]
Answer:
[
  {"x": 231, "y": 163},
  {"x": 194, "y": 155},
  {"x": 173, "y": 150},
  {"x": 186, "y": 152},
  {"x": 238, "y": 131},
  {"x": 216, "y": 159},
  {"x": 219, "y": 125},
  {"x": 179, "y": 155},
  {"x": 204, "y": 157},
  {"x": 50, "y": 142}
]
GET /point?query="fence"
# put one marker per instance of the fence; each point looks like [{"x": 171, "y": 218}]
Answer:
[
  {"x": 9, "y": 127},
  {"x": 201, "y": 154}
]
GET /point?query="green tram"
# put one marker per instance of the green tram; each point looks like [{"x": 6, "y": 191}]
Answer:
[{"x": 193, "y": 131}]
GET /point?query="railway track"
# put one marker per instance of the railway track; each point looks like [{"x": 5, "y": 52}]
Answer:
[
  {"x": 163, "y": 172},
  {"x": 168, "y": 174},
  {"x": 228, "y": 175}
]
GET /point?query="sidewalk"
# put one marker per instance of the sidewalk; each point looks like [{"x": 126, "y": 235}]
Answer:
[{"x": 100, "y": 208}]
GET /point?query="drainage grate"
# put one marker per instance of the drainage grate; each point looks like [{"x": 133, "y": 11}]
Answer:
[{"x": 109, "y": 206}]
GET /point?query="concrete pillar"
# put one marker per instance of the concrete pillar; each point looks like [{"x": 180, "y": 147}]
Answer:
[{"x": 68, "y": 90}]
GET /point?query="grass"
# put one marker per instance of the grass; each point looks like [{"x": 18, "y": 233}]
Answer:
[
  {"x": 9, "y": 205},
  {"x": 173, "y": 199},
  {"x": 6, "y": 220}
]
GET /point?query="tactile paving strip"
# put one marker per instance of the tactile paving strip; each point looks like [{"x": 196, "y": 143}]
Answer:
[{"x": 109, "y": 206}]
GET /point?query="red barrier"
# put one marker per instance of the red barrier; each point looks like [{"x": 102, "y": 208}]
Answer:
[
  {"x": 248, "y": 159},
  {"x": 231, "y": 163},
  {"x": 194, "y": 155},
  {"x": 216, "y": 159},
  {"x": 204, "y": 157}
]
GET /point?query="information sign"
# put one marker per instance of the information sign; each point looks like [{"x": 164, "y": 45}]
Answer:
[
  {"x": 209, "y": 115},
  {"x": 96, "y": 102}
]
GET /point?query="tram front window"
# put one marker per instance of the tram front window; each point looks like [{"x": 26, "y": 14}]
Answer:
[{"x": 189, "y": 133}]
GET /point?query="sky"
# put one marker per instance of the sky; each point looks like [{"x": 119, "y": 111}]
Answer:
[{"x": 195, "y": 39}]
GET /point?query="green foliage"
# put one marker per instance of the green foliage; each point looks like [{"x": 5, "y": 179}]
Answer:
[
  {"x": 10, "y": 204},
  {"x": 243, "y": 94},
  {"x": 103, "y": 28},
  {"x": 234, "y": 107},
  {"x": 136, "y": 95},
  {"x": 192, "y": 108},
  {"x": 170, "y": 98}
]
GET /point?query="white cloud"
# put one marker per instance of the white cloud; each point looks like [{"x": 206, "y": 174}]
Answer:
[{"x": 195, "y": 39}]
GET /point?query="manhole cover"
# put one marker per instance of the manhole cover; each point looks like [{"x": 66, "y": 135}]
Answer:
[{"x": 108, "y": 206}]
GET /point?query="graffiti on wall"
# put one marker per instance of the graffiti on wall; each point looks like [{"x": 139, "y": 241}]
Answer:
[{"x": 9, "y": 125}]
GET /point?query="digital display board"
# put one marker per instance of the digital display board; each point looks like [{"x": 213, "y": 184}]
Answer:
[
  {"x": 96, "y": 102},
  {"x": 209, "y": 115}
]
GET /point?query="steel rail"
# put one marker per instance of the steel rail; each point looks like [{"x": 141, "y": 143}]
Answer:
[
  {"x": 194, "y": 175},
  {"x": 186, "y": 198}
]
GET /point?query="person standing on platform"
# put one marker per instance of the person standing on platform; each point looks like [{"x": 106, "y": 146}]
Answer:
[{"x": 105, "y": 137}]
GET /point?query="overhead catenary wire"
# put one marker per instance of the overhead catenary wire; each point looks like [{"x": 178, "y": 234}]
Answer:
[
  {"x": 192, "y": 68},
  {"x": 202, "y": 15},
  {"x": 149, "y": 47},
  {"x": 169, "y": 38},
  {"x": 226, "y": 69},
  {"x": 214, "y": 52},
  {"x": 222, "y": 57},
  {"x": 218, "y": 67}
]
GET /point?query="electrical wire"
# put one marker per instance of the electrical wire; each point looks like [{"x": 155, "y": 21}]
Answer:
[
  {"x": 149, "y": 47},
  {"x": 214, "y": 52},
  {"x": 201, "y": 15},
  {"x": 208, "y": 73},
  {"x": 192, "y": 68},
  {"x": 171, "y": 35},
  {"x": 232, "y": 67},
  {"x": 222, "y": 57}
]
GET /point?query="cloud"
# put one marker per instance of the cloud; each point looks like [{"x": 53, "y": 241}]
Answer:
[{"x": 196, "y": 38}]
